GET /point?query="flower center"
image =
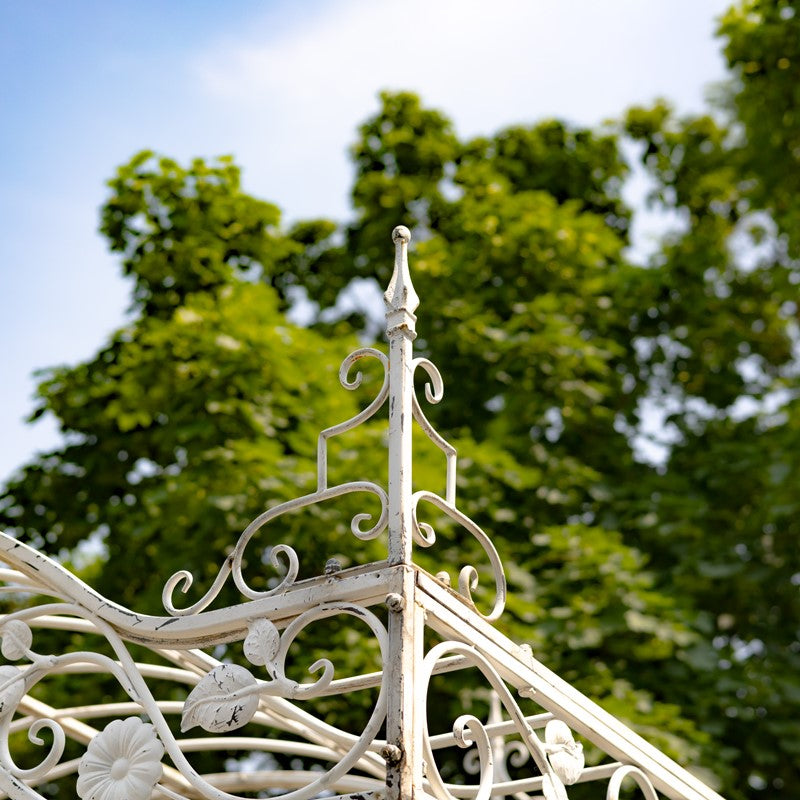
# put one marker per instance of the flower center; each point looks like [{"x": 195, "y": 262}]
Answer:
[{"x": 119, "y": 769}]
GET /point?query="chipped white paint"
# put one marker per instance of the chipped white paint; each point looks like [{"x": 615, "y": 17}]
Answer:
[{"x": 134, "y": 760}]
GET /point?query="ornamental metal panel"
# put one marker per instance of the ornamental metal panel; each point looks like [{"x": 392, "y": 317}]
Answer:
[{"x": 160, "y": 678}]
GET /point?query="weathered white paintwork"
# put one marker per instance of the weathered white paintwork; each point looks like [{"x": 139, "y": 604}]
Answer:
[{"x": 128, "y": 759}]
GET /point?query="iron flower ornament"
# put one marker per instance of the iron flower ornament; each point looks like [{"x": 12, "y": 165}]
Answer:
[{"x": 123, "y": 762}]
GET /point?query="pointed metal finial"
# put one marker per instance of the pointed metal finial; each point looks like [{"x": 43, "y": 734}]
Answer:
[{"x": 400, "y": 298}]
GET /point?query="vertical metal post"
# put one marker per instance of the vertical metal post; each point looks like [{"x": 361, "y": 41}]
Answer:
[
  {"x": 401, "y": 302},
  {"x": 406, "y": 622}
]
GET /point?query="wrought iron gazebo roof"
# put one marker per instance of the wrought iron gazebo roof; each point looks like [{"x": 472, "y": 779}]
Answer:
[{"x": 404, "y": 606}]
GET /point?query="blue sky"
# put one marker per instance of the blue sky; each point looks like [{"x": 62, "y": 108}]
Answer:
[{"x": 282, "y": 86}]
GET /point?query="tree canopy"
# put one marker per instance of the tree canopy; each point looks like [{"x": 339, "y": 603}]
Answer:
[{"x": 664, "y": 587}]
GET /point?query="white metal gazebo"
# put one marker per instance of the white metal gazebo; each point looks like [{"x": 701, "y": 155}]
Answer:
[{"x": 405, "y": 608}]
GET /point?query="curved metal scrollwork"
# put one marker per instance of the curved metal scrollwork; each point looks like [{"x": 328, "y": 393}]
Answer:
[
  {"x": 563, "y": 752},
  {"x": 468, "y": 729},
  {"x": 513, "y": 753},
  {"x": 281, "y": 555},
  {"x": 233, "y": 563},
  {"x": 425, "y": 536},
  {"x": 635, "y": 774},
  {"x": 434, "y": 392},
  {"x": 285, "y": 558},
  {"x": 125, "y": 758},
  {"x": 362, "y": 416}
]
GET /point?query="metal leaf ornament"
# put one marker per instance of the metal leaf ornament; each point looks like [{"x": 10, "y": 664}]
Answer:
[
  {"x": 17, "y": 639},
  {"x": 12, "y": 689},
  {"x": 262, "y": 643},
  {"x": 565, "y": 754},
  {"x": 226, "y": 699}
]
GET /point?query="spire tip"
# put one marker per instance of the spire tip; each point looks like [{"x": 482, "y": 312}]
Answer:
[
  {"x": 400, "y": 298},
  {"x": 401, "y": 234}
]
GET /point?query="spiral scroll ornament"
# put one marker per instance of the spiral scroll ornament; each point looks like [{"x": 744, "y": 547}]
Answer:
[{"x": 468, "y": 730}]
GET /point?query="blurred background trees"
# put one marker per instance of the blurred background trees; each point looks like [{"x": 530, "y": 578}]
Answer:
[{"x": 660, "y": 578}]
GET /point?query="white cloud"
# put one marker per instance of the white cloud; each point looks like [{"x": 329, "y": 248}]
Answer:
[{"x": 295, "y": 99}]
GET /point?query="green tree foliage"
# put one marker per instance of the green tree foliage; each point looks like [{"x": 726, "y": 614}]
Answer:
[
  {"x": 724, "y": 525},
  {"x": 665, "y": 588},
  {"x": 762, "y": 48}
]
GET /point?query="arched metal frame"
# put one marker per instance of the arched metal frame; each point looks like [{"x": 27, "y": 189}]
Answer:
[{"x": 394, "y": 756}]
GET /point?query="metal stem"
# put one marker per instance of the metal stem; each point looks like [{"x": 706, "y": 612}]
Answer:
[{"x": 401, "y": 302}]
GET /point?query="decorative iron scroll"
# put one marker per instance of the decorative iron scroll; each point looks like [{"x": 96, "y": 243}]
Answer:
[
  {"x": 283, "y": 556},
  {"x": 123, "y": 761},
  {"x": 559, "y": 759}
]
